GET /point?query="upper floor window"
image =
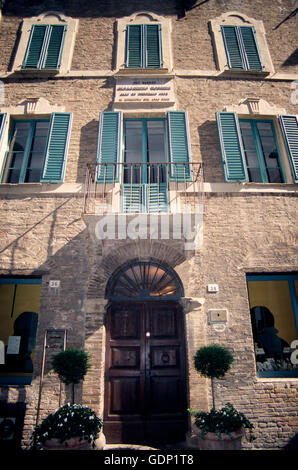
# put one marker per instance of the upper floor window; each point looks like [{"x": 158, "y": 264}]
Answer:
[
  {"x": 34, "y": 149},
  {"x": 45, "y": 47},
  {"x": 240, "y": 44},
  {"x": 26, "y": 151},
  {"x": 241, "y": 47},
  {"x": 251, "y": 150},
  {"x": 143, "y": 46},
  {"x": 144, "y": 42},
  {"x": 262, "y": 155},
  {"x": 46, "y": 43}
]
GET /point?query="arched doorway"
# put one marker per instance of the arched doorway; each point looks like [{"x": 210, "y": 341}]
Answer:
[{"x": 145, "y": 368}]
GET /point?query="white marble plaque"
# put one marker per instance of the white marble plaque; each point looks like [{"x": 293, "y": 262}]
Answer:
[{"x": 159, "y": 90}]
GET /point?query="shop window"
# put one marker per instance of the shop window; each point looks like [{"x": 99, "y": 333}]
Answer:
[
  {"x": 37, "y": 149},
  {"x": 19, "y": 299},
  {"x": 46, "y": 44},
  {"x": 240, "y": 44},
  {"x": 274, "y": 319},
  {"x": 251, "y": 151},
  {"x": 155, "y": 152}
]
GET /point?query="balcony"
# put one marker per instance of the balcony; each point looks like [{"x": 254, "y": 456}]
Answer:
[{"x": 143, "y": 188}]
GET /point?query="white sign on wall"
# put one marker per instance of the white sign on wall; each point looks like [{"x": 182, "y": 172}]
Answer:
[{"x": 151, "y": 90}]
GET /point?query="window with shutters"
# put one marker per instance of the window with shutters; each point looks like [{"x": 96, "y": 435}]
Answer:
[
  {"x": 240, "y": 44},
  {"x": 144, "y": 42},
  {"x": 144, "y": 155},
  {"x": 46, "y": 44},
  {"x": 251, "y": 150},
  {"x": 36, "y": 149}
]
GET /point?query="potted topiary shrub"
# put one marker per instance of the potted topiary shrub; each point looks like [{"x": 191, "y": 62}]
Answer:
[
  {"x": 218, "y": 429},
  {"x": 71, "y": 366},
  {"x": 71, "y": 427}
]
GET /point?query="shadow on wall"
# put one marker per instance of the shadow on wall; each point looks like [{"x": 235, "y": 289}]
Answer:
[
  {"x": 210, "y": 152},
  {"x": 291, "y": 60}
]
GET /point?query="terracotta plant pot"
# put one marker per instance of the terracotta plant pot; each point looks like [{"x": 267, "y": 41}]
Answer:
[
  {"x": 212, "y": 442},
  {"x": 74, "y": 443}
]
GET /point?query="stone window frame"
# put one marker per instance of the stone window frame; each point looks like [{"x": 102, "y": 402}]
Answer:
[
  {"x": 144, "y": 17},
  {"x": 256, "y": 108},
  {"x": 30, "y": 108},
  {"x": 47, "y": 18},
  {"x": 235, "y": 18}
]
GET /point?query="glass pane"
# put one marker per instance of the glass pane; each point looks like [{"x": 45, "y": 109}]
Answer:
[
  {"x": 21, "y": 128},
  {"x": 252, "y": 159},
  {"x": 41, "y": 128},
  {"x": 248, "y": 142},
  {"x": 32, "y": 176},
  {"x": 274, "y": 175},
  {"x": 255, "y": 175},
  {"x": 155, "y": 141},
  {"x": 245, "y": 127},
  {"x": 264, "y": 128},
  {"x": 39, "y": 144},
  {"x": 271, "y": 159},
  {"x": 18, "y": 144},
  {"x": 133, "y": 141},
  {"x": 145, "y": 279},
  {"x": 273, "y": 325},
  {"x": 15, "y": 160},
  {"x": 35, "y": 160},
  {"x": 12, "y": 176}
]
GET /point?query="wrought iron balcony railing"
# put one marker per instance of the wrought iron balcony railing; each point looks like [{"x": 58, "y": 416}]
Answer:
[{"x": 142, "y": 187}]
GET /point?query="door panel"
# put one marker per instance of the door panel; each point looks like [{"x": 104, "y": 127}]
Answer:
[{"x": 145, "y": 393}]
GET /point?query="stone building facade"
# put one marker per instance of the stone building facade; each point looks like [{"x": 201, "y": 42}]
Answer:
[{"x": 160, "y": 215}]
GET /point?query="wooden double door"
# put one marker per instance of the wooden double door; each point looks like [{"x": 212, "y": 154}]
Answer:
[{"x": 145, "y": 374}]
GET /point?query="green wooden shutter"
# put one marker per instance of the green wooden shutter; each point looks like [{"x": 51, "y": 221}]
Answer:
[
  {"x": 179, "y": 146},
  {"x": 134, "y": 49},
  {"x": 133, "y": 199},
  {"x": 289, "y": 126},
  {"x": 252, "y": 54},
  {"x": 145, "y": 197},
  {"x": 108, "y": 148},
  {"x": 157, "y": 197},
  {"x": 33, "y": 55},
  {"x": 153, "y": 45},
  {"x": 57, "y": 147},
  {"x": 232, "y": 47},
  {"x": 45, "y": 47},
  {"x": 54, "y": 47},
  {"x": 241, "y": 48},
  {"x": 231, "y": 146}
]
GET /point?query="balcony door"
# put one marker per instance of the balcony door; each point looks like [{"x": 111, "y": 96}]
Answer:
[{"x": 144, "y": 174}]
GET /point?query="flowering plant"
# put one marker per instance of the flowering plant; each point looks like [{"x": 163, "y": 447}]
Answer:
[
  {"x": 225, "y": 420},
  {"x": 67, "y": 422}
]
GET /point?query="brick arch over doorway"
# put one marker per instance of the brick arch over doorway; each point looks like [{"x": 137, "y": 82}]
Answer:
[{"x": 138, "y": 250}]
